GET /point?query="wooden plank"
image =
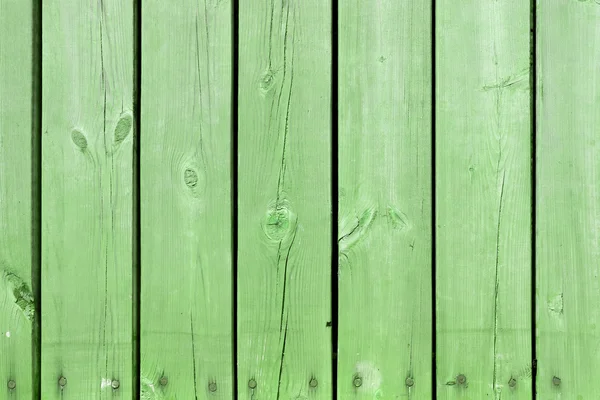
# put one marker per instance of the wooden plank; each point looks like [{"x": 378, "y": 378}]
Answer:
[
  {"x": 568, "y": 199},
  {"x": 483, "y": 200},
  {"x": 284, "y": 200},
  {"x": 186, "y": 201},
  {"x": 384, "y": 228},
  {"x": 87, "y": 199},
  {"x": 16, "y": 124}
]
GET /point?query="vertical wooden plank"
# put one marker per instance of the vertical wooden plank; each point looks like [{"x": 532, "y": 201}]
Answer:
[
  {"x": 384, "y": 228},
  {"x": 483, "y": 199},
  {"x": 568, "y": 199},
  {"x": 284, "y": 200},
  {"x": 16, "y": 299},
  {"x": 186, "y": 227},
  {"x": 86, "y": 199}
]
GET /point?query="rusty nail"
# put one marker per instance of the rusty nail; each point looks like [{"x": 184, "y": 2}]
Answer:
[
  {"x": 212, "y": 387},
  {"x": 163, "y": 381},
  {"x": 409, "y": 382},
  {"x": 11, "y": 384},
  {"x": 512, "y": 382},
  {"x": 313, "y": 383},
  {"x": 461, "y": 379},
  {"x": 556, "y": 381}
]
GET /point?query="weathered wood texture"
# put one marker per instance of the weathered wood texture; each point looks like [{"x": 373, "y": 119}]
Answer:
[
  {"x": 284, "y": 200},
  {"x": 384, "y": 230},
  {"x": 483, "y": 198},
  {"x": 16, "y": 300},
  {"x": 87, "y": 199},
  {"x": 568, "y": 199},
  {"x": 186, "y": 308}
]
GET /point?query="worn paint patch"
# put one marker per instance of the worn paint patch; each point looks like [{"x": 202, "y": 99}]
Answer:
[
  {"x": 371, "y": 378},
  {"x": 555, "y": 304},
  {"x": 21, "y": 293},
  {"x": 104, "y": 383},
  {"x": 149, "y": 391}
]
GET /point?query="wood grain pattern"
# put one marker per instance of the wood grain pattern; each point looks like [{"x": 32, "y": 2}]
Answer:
[
  {"x": 384, "y": 229},
  {"x": 483, "y": 197},
  {"x": 16, "y": 298},
  {"x": 87, "y": 199},
  {"x": 284, "y": 200},
  {"x": 568, "y": 199},
  {"x": 186, "y": 200}
]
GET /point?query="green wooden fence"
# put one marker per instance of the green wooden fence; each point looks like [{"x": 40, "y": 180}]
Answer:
[{"x": 282, "y": 199}]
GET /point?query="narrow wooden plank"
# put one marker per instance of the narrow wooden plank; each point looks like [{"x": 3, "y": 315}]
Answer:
[
  {"x": 284, "y": 200},
  {"x": 186, "y": 201},
  {"x": 16, "y": 299},
  {"x": 86, "y": 199},
  {"x": 568, "y": 199},
  {"x": 483, "y": 199},
  {"x": 384, "y": 228}
]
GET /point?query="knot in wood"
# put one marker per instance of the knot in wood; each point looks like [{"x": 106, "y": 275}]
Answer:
[
  {"x": 278, "y": 223},
  {"x": 79, "y": 140}
]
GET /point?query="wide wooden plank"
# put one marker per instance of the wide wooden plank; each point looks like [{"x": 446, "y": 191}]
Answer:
[
  {"x": 384, "y": 228},
  {"x": 483, "y": 199},
  {"x": 186, "y": 309},
  {"x": 284, "y": 200},
  {"x": 16, "y": 124},
  {"x": 568, "y": 199},
  {"x": 87, "y": 137}
]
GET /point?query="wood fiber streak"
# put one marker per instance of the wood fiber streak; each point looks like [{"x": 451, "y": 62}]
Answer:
[
  {"x": 16, "y": 298},
  {"x": 384, "y": 227},
  {"x": 568, "y": 199},
  {"x": 186, "y": 307},
  {"x": 87, "y": 137},
  {"x": 284, "y": 200},
  {"x": 483, "y": 199}
]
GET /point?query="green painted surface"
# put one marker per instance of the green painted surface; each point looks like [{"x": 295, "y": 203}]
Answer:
[
  {"x": 483, "y": 199},
  {"x": 284, "y": 200},
  {"x": 384, "y": 228},
  {"x": 16, "y": 299},
  {"x": 568, "y": 199},
  {"x": 87, "y": 199},
  {"x": 186, "y": 309}
]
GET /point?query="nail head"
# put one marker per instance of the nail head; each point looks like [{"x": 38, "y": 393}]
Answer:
[
  {"x": 357, "y": 381},
  {"x": 252, "y": 384},
  {"x": 556, "y": 381},
  {"x": 512, "y": 382},
  {"x": 11, "y": 384},
  {"x": 461, "y": 379},
  {"x": 62, "y": 381},
  {"x": 313, "y": 383},
  {"x": 163, "y": 381},
  {"x": 115, "y": 384},
  {"x": 212, "y": 387},
  {"x": 409, "y": 382}
]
